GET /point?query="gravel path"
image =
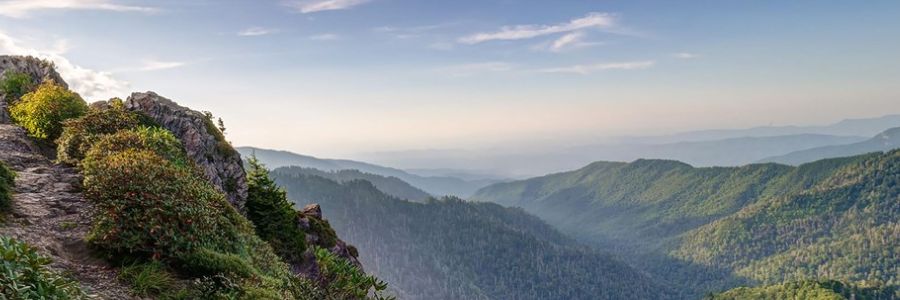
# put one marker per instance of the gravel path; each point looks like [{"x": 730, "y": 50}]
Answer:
[{"x": 49, "y": 213}]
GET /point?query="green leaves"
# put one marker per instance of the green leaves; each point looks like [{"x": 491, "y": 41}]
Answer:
[
  {"x": 24, "y": 275},
  {"x": 7, "y": 181},
  {"x": 344, "y": 280},
  {"x": 15, "y": 84},
  {"x": 272, "y": 214},
  {"x": 43, "y": 111}
]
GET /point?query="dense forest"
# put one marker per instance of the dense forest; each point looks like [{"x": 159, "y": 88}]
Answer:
[
  {"x": 453, "y": 249},
  {"x": 807, "y": 290},
  {"x": 707, "y": 229}
]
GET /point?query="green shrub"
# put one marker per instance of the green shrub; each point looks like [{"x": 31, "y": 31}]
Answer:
[
  {"x": 326, "y": 234},
  {"x": 272, "y": 214},
  {"x": 15, "y": 84},
  {"x": 7, "y": 182},
  {"x": 343, "y": 280},
  {"x": 147, "y": 207},
  {"x": 205, "y": 262},
  {"x": 80, "y": 134},
  {"x": 157, "y": 140},
  {"x": 147, "y": 279},
  {"x": 24, "y": 275},
  {"x": 42, "y": 111}
]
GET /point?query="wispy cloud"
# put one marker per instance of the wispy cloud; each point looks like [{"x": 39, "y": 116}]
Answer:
[
  {"x": 470, "y": 69},
  {"x": 685, "y": 55},
  {"x": 24, "y": 8},
  {"x": 325, "y": 37},
  {"x": 256, "y": 31},
  {"x": 311, "y": 6},
  {"x": 519, "y": 32},
  {"x": 155, "y": 65},
  {"x": 588, "y": 69},
  {"x": 569, "y": 41},
  {"x": 89, "y": 83},
  {"x": 414, "y": 31}
]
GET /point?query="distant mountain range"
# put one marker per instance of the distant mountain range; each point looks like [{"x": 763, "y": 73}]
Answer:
[
  {"x": 848, "y": 127},
  {"x": 885, "y": 141},
  {"x": 389, "y": 185},
  {"x": 726, "y": 147},
  {"x": 434, "y": 185}
]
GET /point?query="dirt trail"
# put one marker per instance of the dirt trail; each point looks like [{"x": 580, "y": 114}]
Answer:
[{"x": 49, "y": 213}]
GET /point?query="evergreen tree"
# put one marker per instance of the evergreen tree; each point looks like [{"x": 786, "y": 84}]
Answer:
[{"x": 272, "y": 214}]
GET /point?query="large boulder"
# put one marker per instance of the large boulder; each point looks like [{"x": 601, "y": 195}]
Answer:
[
  {"x": 202, "y": 140},
  {"x": 38, "y": 69}
]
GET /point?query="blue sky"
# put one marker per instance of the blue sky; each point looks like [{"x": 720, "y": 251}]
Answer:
[{"x": 341, "y": 77}]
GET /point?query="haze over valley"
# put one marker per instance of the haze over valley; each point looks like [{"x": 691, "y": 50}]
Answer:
[{"x": 445, "y": 150}]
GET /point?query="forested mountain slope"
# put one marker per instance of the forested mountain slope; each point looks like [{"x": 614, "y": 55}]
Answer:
[
  {"x": 452, "y": 249},
  {"x": 845, "y": 227},
  {"x": 885, "y": 141},
  {"x": 710, "y": 228}
]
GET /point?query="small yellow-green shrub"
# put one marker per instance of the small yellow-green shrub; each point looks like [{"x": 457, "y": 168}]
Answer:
[
  {"x": 79, "y": 134},
  {"x": 43, "y": 111}
]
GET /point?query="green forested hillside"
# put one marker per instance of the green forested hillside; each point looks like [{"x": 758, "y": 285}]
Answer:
[
  {"x": 452, "y": 249},
  {"x": 845, "y": 227},
  {"x": 389, "y": 185},
  {"x": 706, "y": 229}
]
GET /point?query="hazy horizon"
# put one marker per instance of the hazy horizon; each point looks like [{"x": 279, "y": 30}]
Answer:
[{"x": 343, "y": 78}]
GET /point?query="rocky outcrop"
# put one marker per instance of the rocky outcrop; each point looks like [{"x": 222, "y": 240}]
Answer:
[
  {"x": 319, "y": 233},
  {"x": 202, "y": 141},
  {"x": 39, "y": 71}
]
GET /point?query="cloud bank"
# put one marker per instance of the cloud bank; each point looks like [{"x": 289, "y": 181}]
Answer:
[
  {"x": 90, "y": 84},
  {"x": 24, "y": 8}
]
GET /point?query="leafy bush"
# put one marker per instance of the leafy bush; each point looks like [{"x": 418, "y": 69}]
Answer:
[
  {"x": 24, "y": 275},
  {"x": 79, "y": 134},
  {"x": 148, "y": 279},
  {"x": 146, "y": 206},
  {"x": 157, "y": 140},
  {"x": 42, "y": 111},
  {"x": 15, "y": 84},
  {"x": 272, "y": 214},
  {"x": 344, "y": 280},
  {"x": 7, "y": 181}
]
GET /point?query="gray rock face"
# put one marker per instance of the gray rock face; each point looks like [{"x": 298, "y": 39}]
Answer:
[
  {"x": 39, "y": 71},
  {"x": 204, "y": 144}
]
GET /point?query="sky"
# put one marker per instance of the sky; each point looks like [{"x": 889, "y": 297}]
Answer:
[{"x": 339, "y": 78}]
